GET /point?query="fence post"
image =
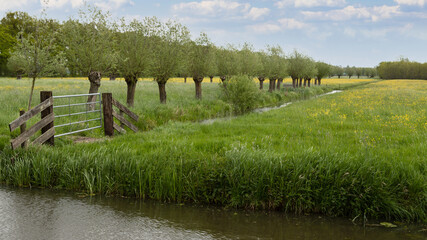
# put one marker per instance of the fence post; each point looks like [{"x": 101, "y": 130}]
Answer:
[
  {"x": 23, "y": 128},
  {"x": 107, "y": 108},
  {"x": 43, "y": 96}
]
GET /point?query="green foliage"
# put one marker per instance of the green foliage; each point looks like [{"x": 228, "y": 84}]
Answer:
[
  {"x": 277, "y": 66},
  {"x": 168, "y": 50},
  {"x": 200, "y": 56},
  {"x": 89, "y": 42},
  {"x": 323, "y": 70},
  {"x": 249, "y": 61},
  {"x": 403, "y": 69},
  {"x": 296, "y": 65},
  {"x": 243, "y": 93},
  {"x": 228, "y": 61}
]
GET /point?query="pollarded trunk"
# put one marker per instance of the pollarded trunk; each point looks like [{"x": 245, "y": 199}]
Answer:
[
  {"x": 294, "y": 82},
  {"x": 211, "y": 77},
  {"x": 185, "y": 79},
  {"x": 112, "y": 77},
  {"x": 305, "y": 82},
  {"x": 162, "y": 92},
  {"x": 315, "y": 81},
  {"x": 279, "y": 82},
  {"x": 261, "y": 82},
  {"x": 319, "y": 81},
  {"x": 131, "y": 82},
  {"x": 309, "y": 80},
  {"x": 300, "y": 82},
  {"x": 272, "y": 85},
  {"x": 223, "y": 80},
  {"x": 95, "y": 83},
  {"x": 198, "y": 82},
  {"x": 18, "y": 76}
]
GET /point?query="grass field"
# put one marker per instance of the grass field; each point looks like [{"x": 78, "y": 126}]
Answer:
[{"x": 356, "y": 153}]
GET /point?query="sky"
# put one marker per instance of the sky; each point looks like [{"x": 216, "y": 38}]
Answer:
[{"x": 340, "y": 32}]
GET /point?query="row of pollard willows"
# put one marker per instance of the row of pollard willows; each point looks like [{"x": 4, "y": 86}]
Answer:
[{"x": 46, "y": 124}]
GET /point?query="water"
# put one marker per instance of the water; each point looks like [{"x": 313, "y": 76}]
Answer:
[
  {"x": 261, "y": 110},
  {"x": 42, "y": 214}
]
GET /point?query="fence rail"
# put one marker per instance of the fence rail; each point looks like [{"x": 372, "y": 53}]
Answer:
[
  {"x": 70, "y": 114},
  {"x": 45, "y": 124}
]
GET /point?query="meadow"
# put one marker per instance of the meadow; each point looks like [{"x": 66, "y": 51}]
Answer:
[{"x": 359, "y": 153}]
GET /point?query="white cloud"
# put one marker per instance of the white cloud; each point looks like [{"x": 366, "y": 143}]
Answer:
[
  {"x": 350, "y": 12},
  {"x": 220, "y": 8},
  {"x": 256, "y": 13},
  {"x": 13, "y": 4},
  {"x": 309, "y": 3},
  {"x": 280, "y": 25},
  {"x": 411, "y": 2},
  {"x": 290, "y": 23},
  {"x": 265, "y": 28},
  {"x": 210, "y": 7},
  {"x": 103, "y": 4}
]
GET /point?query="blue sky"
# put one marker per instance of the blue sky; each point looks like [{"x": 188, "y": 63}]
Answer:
[{"x": 340, "y": 32}]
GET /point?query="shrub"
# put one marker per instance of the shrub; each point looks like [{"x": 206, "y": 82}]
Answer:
[{"x": 242, "y": 93}]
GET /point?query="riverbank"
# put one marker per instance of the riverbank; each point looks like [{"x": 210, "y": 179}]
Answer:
[{"x": 360, "y": 153}]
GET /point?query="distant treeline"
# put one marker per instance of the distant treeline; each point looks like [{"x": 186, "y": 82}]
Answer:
[{"x": 403, "y": 69}]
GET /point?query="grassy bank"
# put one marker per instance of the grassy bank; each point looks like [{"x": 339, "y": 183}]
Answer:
[
  {"x": 181, "y": 106},
  {"x": 360, "y": 152}
]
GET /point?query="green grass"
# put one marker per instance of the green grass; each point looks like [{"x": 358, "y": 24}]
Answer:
[{"x": 360, "y": 152}]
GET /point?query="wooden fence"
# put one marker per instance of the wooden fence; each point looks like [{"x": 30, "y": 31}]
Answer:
[
  {"x": 109, "y": 114},
  {"x": 45, "y": 124}
]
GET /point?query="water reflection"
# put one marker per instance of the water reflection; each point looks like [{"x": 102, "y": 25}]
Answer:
[{"x": 39, "y": 214}]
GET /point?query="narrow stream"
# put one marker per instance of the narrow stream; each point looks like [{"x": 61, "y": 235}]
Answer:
[
  {"x": 265, "y": 109},
  {"x": 42, "y": 214}
]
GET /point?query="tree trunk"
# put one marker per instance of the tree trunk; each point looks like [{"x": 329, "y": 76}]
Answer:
[
  {"x": 198, "y": 82},
  {"x": 18, "y": 76},
  {"x": 224, "y": 83},
  {"x": 95, "y": 83},
  {"x": 131, "y": 82},
  {"x": 185, "y": 79},
  {"x": 293, "y": 82},
  {"x": 211, "y": 77},
  {"x": 272, "y": 85},
  {"x": 309, "y": 80},
  {"x": 279, "y": 82},
  {"x": 305, "y": 82},
  {"x": 300, "y": 82},
  {"x": 261, "y": 82},
  {"x": 31, "y": 93},
  {"x": 319, "y": 81},
  {"x": 162, "y": 92},
  {"x": 112, "y": 77}
]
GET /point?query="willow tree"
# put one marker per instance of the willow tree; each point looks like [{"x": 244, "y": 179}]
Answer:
[
  {"x": 89, "y": 46},
  {"x": 167, "y": 53},
  {"x": 309, "y": 71},
  {"x": 135, "y": 41},
  {"x": 276, "y": 68},
  {"x": 36, "y": 55},
  {"x": 261, "y": 68},
  {"x": 228, "y": 64},
  {"x": 323, "y": 69},
  {"x": 295, "y": 67},
  {"x": 200, "y": 57}
]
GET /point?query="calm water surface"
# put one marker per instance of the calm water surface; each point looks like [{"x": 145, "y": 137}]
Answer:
[{"x": 41, "y": 214}]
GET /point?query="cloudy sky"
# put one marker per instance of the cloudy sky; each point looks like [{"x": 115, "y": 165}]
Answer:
[{"x": 340, "y": 32}]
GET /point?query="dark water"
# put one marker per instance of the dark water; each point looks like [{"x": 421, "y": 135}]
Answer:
[{"x": 41, "y": 214}]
